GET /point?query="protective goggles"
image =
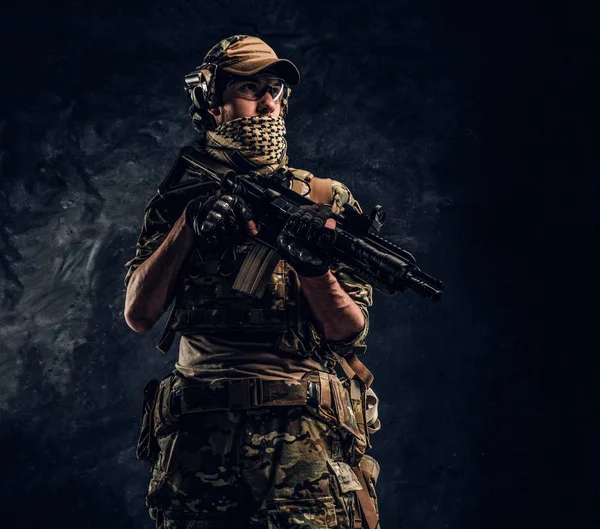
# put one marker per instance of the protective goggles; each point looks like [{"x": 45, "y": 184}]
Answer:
[{"x": 254, "y": 89}]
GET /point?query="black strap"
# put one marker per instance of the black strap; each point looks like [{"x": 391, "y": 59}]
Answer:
[
  {"x": 199, "y": 160},
  {"x": 168, "y": 335},
  {"x": 245, "y": 393},
  {"x": 216, "y": 318}
]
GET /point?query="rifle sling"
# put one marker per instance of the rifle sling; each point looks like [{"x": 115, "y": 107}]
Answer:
[
  {"x": 352, "y": 366},
  {"x": 367, "y": 505},
  {"x": 197, "y": 159}
]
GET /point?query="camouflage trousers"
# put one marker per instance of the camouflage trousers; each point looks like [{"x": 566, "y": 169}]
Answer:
[{"x": 270, "y": 467}]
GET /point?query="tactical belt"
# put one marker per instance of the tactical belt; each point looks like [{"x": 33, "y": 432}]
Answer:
[
  {"x": 248, "y": 393},
  {"x": 213, "y": 319}
]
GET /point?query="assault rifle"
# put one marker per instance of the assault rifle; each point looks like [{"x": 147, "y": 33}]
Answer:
[{"x": 384, "y": 265}]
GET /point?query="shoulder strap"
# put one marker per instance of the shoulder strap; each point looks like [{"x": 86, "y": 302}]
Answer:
[
  {"x": 199, "y": 160},
  {"x": 367, "y": 505},
  {"x": 320, "y": 188},
  {"x": 353, "y": 366}
]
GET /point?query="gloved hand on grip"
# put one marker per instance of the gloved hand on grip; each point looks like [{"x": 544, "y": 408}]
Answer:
[
  {"x": 305, "y": 242},
  {"x": 218, "y": 219}
]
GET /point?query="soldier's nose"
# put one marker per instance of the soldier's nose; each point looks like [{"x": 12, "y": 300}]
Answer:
[{"x": 266, "y": 105}]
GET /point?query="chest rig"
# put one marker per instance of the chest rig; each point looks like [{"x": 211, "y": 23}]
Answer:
[{"x": 206, "y": 301}]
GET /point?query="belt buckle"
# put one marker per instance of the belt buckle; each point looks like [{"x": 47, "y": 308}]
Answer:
[
  {"x": 245, "y": 393},
  {"x": 256, "y": 392},
  {"x": 175, "y": 403},
  {"x": 312, "y": 393}
]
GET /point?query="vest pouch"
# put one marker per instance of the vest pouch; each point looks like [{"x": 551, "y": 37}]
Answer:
[
  {"x": 348, "y": 399},
  {"x": 147, "y": 447},
  {"x": 355, "y": 392},
  {"x": 164, "y": 419}
]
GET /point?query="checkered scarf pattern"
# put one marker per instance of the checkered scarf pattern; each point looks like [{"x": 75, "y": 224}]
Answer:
[{"x": 249, "y": 143}]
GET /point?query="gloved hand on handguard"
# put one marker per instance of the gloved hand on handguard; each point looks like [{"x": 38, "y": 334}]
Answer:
[{"x": 305, "y": 242}]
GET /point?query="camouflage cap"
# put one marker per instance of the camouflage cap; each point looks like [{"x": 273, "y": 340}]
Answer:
[{"x": 245, "y": 55}]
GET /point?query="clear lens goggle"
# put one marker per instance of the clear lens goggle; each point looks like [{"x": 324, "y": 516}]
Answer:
[{"x": 254, "y": 89}]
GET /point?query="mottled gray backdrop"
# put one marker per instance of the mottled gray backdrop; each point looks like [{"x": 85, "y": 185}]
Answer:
[{"x": 456, "y": 117}]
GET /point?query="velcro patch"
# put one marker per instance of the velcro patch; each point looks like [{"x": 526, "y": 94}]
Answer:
[{"x": 345, "y": 476}]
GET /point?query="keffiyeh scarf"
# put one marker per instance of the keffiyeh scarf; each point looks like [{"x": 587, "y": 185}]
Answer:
[{"x": 256, "y": 143}]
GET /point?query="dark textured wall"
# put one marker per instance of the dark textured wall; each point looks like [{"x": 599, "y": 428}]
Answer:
[{"x": 456, "y": 117}]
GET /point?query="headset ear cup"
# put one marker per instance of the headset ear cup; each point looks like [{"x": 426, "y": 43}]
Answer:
[
  {"x": 199, "y": 84},
  {"x": 197, "y": 121},
  {"x": 198, "y": 98},
  {"x": 202, "y": 119}
]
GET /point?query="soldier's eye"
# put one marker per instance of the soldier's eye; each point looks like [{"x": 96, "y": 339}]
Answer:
[{"x": 249, "y": 88}]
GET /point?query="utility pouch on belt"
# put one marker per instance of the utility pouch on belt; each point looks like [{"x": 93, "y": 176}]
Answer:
[
  {"x": 164, "y": 420},
  {"x": 344, "y": 409},
  {"x": 355, "y": 407},
  {"x": 351, "y": 398},
  {"x": 147, "y": 448}
]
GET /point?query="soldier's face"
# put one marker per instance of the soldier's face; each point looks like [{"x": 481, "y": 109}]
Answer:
[{"x": 239, "y": 103}]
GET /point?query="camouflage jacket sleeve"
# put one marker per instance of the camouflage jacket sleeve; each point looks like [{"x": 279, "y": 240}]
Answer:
[
  {"x": 360, "y": 291},
  {"x": 155, "y": 229}
]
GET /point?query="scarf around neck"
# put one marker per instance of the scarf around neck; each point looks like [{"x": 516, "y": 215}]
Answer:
[{"x": 256, "y": 143}]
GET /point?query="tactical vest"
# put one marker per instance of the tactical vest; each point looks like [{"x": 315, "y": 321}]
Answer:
[{"x": 204, "y": 300}]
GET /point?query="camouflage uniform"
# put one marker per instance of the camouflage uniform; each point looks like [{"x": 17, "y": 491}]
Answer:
[
  {"x": 205, "y": 291},
  {"x": 271, "y": 467},
  {"x": 279, "y": 466},
  {"x": 289, "y": 458}
]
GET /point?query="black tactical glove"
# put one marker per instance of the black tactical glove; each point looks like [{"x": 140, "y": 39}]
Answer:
[
  {"x": 218, "y": 219},
  {"x": 305, "y": 242}
]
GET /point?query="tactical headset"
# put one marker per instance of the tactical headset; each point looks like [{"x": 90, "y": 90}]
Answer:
[{"x": 201, "y": 86}]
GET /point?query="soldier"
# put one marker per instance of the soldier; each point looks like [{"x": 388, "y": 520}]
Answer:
[{"x": 253, "y": 428}]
